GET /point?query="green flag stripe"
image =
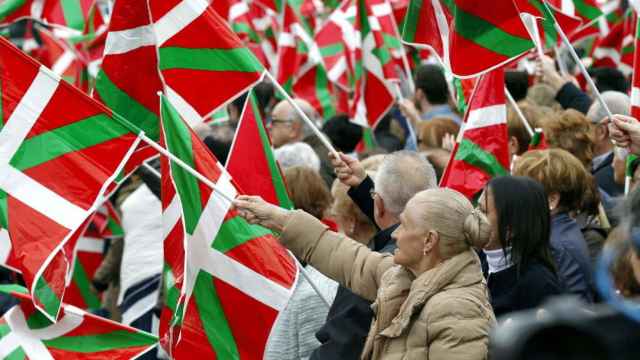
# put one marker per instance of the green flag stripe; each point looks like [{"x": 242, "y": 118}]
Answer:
[
  {"x": 115, "y": 228},
  {"x": 323, "y": 94},
  {"x": 17, "y": 354},
  {"x": 127, "y": 107},
  {"x": 178, "y": 139},
  {"x": 4, "y": 330},
  {"x": 368, "y": 139},
  {"x": 172, "y": 293},
  {"x": 489, "y": 36},
  {"x": 472, "y": 154},
  {"x": 47, "y": 297},
  {"x": 77, "y": 136},
  {"x": 244, "y": 28},
  {"x": 411, "y": 20},
  {"x": 9, "y": 6},
  {"x": 1, "y": 113},
  {"x": 4, "y": 213},
  {"x": 213, "y": 318},
  {"x": 234, "y": 232},
  {"x": 276, "y": 175},
  {"x": 586, "y": 10},
  {"x": 82, "y": 282},
  {"x": 628, "y": 166},
  {"x": 73, "y": 14},
  {"x": 239, "y": 59},
  {"x": 118, "y": 339},
  {"x": 331, "y": 50}
]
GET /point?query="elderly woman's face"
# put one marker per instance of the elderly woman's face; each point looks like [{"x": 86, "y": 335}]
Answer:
[{"x": 410, "y": 238}]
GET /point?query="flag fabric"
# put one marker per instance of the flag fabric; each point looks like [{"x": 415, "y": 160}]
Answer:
[
  {"x": 196, "y": 50},
  {"x": 26, "y": 333},
  {"x": 469, "y": 37},
  {"x": 635, "y": 81},
  {"x": 223, "y": 276},
  {"x": 607, "y": 51},
  {"x": 70, "y": 14},
  {"x": 546, "y": 16},
  {"x": 48, "y": 192},
  {"x": 58, "y": 56},
  {"x": 373, "y": 97},
  {"x": 538, "y": 142},
  {"x": 251, "y": 149},
  {"x": 587, "y": 10},
  {"x": 481, "y": 151},
  {"x": 12, "y": 10}
]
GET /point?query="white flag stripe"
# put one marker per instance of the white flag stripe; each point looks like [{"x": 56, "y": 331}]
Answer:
[
  {"x": 237, "y": 10},
  {"x": 635, "y": 96},
  {"x": 486, "y": 116},
  {"x": 91, "y": 245},
  {"x": 41, "y": 198},
  {"x": 171, "y": 215},
  {"x": 27, "y": 113},
  {"x": 5, "y": 246},
  {"x": 63, "y": 62},
  {"x": 380, "y": 10},
  {"x": 338, "y": 69},
  {"x": 178, "y": 18},
  {"x": 188, "y": 113},
  {"x": 286, "y": 39},
  {"x": 120, "y": 42}
]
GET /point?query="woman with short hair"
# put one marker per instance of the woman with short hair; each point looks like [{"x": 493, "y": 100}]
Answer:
[{"x": 431, "y": 299}]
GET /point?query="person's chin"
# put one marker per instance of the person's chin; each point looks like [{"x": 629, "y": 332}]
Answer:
[{"x": 398, "y": 259}]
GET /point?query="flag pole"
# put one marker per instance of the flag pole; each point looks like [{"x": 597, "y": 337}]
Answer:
[
  {"x": 583, "y": 69},
  {"x": 151, "y": 169},
  {"x": 304, "y": 116},
  {"x": 561, "y": 64},
  {"x": 516, "y": 108},
  {"x": 183, "y": 165}
]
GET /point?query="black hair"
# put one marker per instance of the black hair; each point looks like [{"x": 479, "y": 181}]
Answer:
[
  {"x": 344, "y": 134},
  {"x": 517, "y": 83},
  {"x": 430, "y": 79},
  {"x": 523, "y": 220},
  {"x": 265, "y": 93},
  {"x": 609, "y": 79}
]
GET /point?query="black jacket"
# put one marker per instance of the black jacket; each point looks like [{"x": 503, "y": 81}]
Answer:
[
  {"x": 349, "y": 318},
  {"x": 604, "y": 177},
  {"x": 571, "y": 97}
]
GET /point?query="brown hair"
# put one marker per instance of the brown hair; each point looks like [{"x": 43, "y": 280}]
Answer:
[
  {"x": 558, "y": 171},
  {"x": 570, "y": 130},
  {"x": 307, "y": 190},
  {"x": 621, "y": 269},
  {"x": 517, "y": 129},
  {"x": 432, "y": 132},
  {"x": 343, "y": 206}
]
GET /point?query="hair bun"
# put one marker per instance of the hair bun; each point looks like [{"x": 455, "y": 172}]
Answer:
[{"x": 477, "y": 229}]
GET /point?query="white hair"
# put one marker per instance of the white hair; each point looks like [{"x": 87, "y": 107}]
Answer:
[
  {"x": 617, "y": 102},
  {"x": 297, "y": 154},
  {"x": 308, "y": 110},
  {"x": 401, "y": 175}
]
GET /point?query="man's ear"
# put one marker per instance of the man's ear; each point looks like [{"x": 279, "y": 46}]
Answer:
[
  {"x": 514, "y": 145},
  {"x": 379, "y": 205}
]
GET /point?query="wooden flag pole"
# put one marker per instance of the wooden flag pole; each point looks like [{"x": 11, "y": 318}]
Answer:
[
  {"x": 304, "y": 116},
  {"x": 516, "y": 108}
]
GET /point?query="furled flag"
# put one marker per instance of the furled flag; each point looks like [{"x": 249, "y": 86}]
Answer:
[
  {"x": 55, "y": 167},
  {"x": 198, "y": 52},
  {"x": 128, "y": 80},
  {"x": 468, "y": 36},
  {"x": 337, "y": 41},
  {"x": 481, "y": 151},
  {"x": 12, "y": 10},
  {"x": 26, "y": 334},
  {"x": 230, "y": 266},
  {"x": 538, "y": 141},
  {"x": 373, "y": 97},
  {"x": 251, "y": 149},
  {"x": 300, "y": 68}
]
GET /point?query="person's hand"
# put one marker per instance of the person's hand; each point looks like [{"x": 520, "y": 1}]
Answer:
[
  {"x": 448, "y": 142},
  {"x": 409, "y": 110},
  {"x": 348, "y": 170},
  {"x": 259, "y": 212},
  {"x": 624, "y": 132},
  {"x": 546, "y": 70}
]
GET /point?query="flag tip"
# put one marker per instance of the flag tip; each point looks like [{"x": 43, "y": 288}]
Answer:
[{"x": 159, "y": 93}]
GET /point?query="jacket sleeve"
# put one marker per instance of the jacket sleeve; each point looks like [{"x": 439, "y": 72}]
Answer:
[
  {"x": 336, "y": 256},
  {"x": 457, "y": 330},
  {"x": 361, "y": 196},
  {"x": 571, "y": 97}
]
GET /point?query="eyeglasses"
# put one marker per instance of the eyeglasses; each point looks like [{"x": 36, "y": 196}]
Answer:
[{"x": 272, "y": 122}]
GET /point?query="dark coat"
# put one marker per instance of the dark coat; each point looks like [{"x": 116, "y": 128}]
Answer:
[
  {"x": 604, "y": 177},
  {"x": 571, "y": 255},
  {"x": 349, "y": 319}
]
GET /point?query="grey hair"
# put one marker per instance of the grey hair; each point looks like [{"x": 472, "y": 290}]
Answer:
[
  {"x": 617, "y": 102},
  {"x": 308, "y": 110},
  {"x": 401, "y": 175},
  {"x": 297, "y": 154}
]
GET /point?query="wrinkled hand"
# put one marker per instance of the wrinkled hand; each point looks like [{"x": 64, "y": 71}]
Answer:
[
  {"x": 546, "y": 69},
  {"x": 409, "y": 110},
  {"x": 348, "y": 170},
  {"x": 448, "y": 142},
  {"x": 259, "y": 212},
  {"x": 624, "y": 132}
]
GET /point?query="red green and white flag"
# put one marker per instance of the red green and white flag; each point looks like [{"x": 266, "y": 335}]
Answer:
[
  {"x": 26, "y": 334},
  {"x": 538, "y": 141},
  {"x": 546, "y": 17},
  {"x": 238, "y": 15},
  {"x": 587, "y": 10},
  {"x": 468, "y": 36},
  {"x": 48, "y": 191},
  {"x": 251, "y": 149},
  {"x": 373, "y": 97},
  {"x": 59, "y": 56},
  {"x": 223, "y": 274},
  {"x": 12, "y": 10},
  {"x": 197, "y": 51},
  {"x": 607, "y": 51},
  {"x": 72, "y": 14},
  {"x": 481, "y": 151},
  {"x": 635, "y": 81}
]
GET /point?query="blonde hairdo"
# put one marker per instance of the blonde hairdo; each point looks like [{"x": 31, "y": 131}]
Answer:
[{"x": 453, "y": 217}]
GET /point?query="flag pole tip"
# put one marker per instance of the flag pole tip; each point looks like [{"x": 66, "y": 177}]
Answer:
[{"x": 159, "y": 93}]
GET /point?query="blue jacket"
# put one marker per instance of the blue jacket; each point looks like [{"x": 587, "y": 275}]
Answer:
[{"x": 571, "y": 255}]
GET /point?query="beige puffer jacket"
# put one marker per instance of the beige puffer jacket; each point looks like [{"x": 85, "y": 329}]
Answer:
[{"x": 442, "y": 314}]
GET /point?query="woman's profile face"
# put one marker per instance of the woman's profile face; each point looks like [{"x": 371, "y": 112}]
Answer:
[
  {"x": 410, "y": 238},
  {"x": 487, "y": 205}
]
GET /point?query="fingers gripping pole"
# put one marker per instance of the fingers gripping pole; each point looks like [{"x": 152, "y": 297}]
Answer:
[
  {"x": 516, "y": 108},
  {"x": 304, "y": 116}
]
